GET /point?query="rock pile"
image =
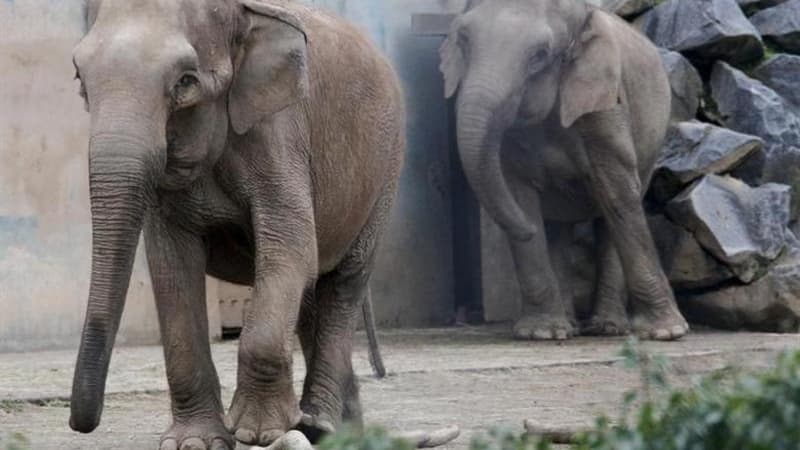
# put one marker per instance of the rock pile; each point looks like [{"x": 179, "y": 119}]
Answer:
[{"x": 724, "y": 201}]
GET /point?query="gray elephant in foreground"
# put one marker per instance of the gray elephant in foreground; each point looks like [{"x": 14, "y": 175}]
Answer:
[
  {"x": 561, "y": 112},
  {"x": 256, "y": 141}
]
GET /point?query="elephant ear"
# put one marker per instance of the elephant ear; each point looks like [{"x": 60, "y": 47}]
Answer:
[
  {"x": 272, "y": 69},
  {"x": 453, "y": 65},
  {"x": 592, "y": 75}
]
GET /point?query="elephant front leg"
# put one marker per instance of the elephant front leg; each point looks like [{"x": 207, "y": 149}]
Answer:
[
  {"x": 544, "y": 316},
  {"x": 177, "y": 268},
  {"x": 264, "y": 405},
  {"x": 614, "y": 180}
]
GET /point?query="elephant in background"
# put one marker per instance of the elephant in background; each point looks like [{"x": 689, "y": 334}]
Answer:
[
  {"x": 258, "y": 141},
  {"x": 561, "y": 112}
]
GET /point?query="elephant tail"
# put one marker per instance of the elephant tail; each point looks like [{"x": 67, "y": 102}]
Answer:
[{"x": 375, "y": 358}]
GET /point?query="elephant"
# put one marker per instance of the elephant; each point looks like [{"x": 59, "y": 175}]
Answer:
[
  {"x": 561, "y": 109},
  {"x": 257, "y": 141}
]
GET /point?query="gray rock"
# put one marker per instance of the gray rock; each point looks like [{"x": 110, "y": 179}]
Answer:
[
  {"x": 693, "y": 149},
  {"x": 625, "y": 8},
  {"x": 686, "y": 263},
  {"x": 749, "y": 106},
  {"x": 754, "y": 6},
  {"x": 685, "y": 83},
  {"x": 704, "y": 30},
  {"x": 770, "y": 304},
  {"x": 781, "y": 73},
  {"x": 744, "y": 227},
  {"x": 780, "y": 24}
]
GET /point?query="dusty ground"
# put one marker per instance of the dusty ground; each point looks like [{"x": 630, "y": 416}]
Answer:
[{"x": 473, "y": 377}]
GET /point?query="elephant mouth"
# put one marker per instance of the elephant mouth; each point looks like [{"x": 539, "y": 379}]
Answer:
[{"x": 180, "y": 172}]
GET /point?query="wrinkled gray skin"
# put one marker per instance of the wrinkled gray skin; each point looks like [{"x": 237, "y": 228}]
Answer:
[
  {"x": 561, "y": 112},
  {"x": 259, "y": 142}
]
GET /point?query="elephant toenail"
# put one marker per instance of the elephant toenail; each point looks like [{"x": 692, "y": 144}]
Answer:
[
  {"x": 219, "y": 444},
  {"x": 307, "y": 419},
  {"x": 168, "y": 444},
  {"x": 269, "y": 436},
  {"x": 661, "y": 334},
  {"x": 246, "y": 436},
  {"x": 542, "y": 334},
  {"x": 193, "y": 443}
]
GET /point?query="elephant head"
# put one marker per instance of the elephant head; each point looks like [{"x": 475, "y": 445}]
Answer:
[
  {"x": 166, "y": 84},
  {"x": 519, "y": 62}
]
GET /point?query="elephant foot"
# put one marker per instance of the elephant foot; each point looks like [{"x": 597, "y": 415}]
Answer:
[
  {"x": 543, "y": 328},
  {"x": 315, "y": 427},
  {"x": 605, "y": 325},
  {"x": 260, "y": 418},
  {"x": 205, "y": 434},
  {"x": 663, "y": 323}
]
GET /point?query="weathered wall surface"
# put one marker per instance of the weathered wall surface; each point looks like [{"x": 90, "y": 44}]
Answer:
[{"x": 45, "y": 235}]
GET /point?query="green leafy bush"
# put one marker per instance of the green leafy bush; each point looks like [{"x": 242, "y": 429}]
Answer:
[
  {"x": 727, "y": 410},
  {"x": 724, "y": 411},
  {"x": 369, "y": 439}
]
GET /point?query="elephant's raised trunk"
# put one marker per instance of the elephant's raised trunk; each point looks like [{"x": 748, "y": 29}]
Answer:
[
  {"x": 119, "y": 179},
  {"x": 483, "y": 117}
]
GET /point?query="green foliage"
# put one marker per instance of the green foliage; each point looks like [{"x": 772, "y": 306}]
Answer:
[
  {"x": 14, "y": 441},
  {"x": 727, "y": 410},
  {"x": 369, "y": 439},
  {"x": 501, "y": 439},
  {"x": 724, "y": 411}
]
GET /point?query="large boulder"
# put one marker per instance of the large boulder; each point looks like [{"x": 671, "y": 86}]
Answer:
[
  {"x": 780, "y": 25},
  {"x": 693, "y": 149},
  {"x": 685, "y": 83},
  {"x": 749, "y": 106},
  {"x": 686, "y": 263},
  {"x": 770, "y": 304},
  {"x": 703, "y": 30},
  {"x": 744, "y": 227},
  {"x": 781, "y": 73},
  {"x": 752, "y": 6}
]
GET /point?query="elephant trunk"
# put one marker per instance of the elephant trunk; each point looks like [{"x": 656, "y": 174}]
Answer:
[
  {"x": 483, "y": 116},
  {"x": 120, "y": 176}
]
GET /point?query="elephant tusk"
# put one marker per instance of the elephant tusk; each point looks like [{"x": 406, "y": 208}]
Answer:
[
  {"x": 293, "y": 440},
  {"x": 423, "y": 439}
]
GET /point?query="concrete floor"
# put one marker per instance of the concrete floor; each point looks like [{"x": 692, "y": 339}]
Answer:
[{"x": 476, "y": 378}]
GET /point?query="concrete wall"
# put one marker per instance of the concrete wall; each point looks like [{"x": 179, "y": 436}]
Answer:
[{"x": 45, "y": 234}]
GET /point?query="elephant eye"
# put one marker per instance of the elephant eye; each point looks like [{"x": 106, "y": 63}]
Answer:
[
  {"x": 187, "y": 80},
  {"x": 186, "y": 92},
  {"x": 538, "y": 60}
]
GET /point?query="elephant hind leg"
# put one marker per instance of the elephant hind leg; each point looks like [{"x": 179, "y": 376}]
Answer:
[
  {"x": 330, "y": 391},
  {"x": 609, "y": 314},
  {"x": 615, "y": 182}
]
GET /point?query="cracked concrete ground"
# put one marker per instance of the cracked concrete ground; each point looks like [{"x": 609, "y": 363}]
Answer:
[{"x": 476, "y": 378}]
